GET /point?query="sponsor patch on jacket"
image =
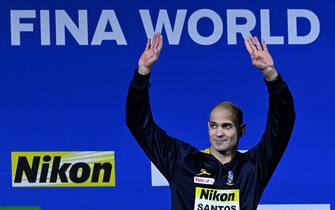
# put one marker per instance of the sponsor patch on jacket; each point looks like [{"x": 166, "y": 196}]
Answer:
[
  {"x": 230, "y": 178},
  {"x": 204, "y": 180},
  {"x": 207, "y": 198}
]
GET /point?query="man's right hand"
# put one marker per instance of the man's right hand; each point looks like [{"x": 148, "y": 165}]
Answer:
[{"x": 150, "y": 54}]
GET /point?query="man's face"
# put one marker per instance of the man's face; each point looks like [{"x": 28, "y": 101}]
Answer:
[{"x": 223, "y": 133}]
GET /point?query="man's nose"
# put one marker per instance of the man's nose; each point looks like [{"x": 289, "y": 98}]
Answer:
[{"x": 219, "y": 133}]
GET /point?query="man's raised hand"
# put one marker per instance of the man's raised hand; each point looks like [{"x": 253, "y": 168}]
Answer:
[
  {"x": 150, "y": 54},
  {"x": 261, "y": 58}
]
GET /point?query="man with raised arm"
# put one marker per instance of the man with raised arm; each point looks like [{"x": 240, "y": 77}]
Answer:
[{"x": 219, "y": 177}]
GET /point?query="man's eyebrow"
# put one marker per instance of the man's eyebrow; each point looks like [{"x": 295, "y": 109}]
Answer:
[{"x": 225, "y": 123}]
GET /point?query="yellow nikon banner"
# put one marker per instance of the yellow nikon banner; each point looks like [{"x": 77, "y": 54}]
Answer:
[{"x": 63, "y": 169}]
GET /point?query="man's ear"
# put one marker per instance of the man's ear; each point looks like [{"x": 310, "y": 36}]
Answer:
[{"x": 242, "y": 130}]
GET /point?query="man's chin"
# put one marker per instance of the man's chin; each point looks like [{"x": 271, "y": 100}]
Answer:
[{"x": 221, "y": 149}]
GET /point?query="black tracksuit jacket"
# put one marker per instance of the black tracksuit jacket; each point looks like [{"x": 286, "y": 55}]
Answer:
[{"x": 180, "y": 162}]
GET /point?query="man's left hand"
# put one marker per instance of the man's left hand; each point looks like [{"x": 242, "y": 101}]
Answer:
[{"x": 261, "y": 57}]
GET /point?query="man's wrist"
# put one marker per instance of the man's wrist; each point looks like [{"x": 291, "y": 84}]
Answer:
[
  {"x": 270, "y": 73},
  {"x": 143, "y": 70}
]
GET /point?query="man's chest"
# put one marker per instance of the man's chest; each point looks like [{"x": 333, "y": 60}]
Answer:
[{"x": 214, "y": 186}]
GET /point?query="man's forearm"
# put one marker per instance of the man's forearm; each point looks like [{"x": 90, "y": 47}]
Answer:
[{"x": 137, "y": 105}]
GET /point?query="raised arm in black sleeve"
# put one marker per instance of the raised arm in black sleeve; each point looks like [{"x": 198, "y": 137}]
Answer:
[
  {"x": 162, "y": 149},
  {"x": 279, "y": 126}
]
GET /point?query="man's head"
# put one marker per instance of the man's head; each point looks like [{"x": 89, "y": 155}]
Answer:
[{"x": 225, "y": 127}]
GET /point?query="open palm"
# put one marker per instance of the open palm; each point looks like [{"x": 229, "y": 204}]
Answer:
[
  {"x": 151, "y": 53},
  {"x": 260, "y": 56}
]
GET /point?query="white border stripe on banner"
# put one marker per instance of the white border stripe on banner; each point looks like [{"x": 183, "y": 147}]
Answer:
[
  {"x": 157, "y": 179},
  {"x": 294, "y": 207}
]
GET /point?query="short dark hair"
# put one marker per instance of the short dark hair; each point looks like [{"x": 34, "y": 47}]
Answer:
[{"x": 234, "y": 109}]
